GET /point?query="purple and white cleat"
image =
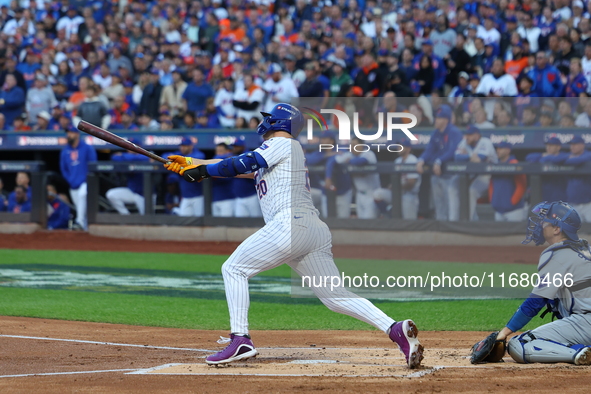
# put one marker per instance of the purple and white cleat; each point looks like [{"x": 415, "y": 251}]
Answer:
[
  {"x": 404, "y": 333},
  {"x": 240, "y": 348}
]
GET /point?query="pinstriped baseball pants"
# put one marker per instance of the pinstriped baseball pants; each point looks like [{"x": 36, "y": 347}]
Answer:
[{"x": 302, "y": 241}]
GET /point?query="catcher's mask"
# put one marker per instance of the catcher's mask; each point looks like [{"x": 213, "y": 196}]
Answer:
[{"x": 559, "y": 214}]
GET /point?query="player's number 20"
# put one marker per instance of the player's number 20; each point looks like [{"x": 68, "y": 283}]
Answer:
[{"x": 261, "y": 188}]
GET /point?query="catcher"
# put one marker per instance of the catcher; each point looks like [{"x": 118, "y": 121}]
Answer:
[{"x": 567, "y": 339}]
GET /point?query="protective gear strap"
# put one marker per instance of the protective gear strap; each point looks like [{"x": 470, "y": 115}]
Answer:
[
  {"x": 246, "y": 163},
  {"x": 526, "y": 311}
]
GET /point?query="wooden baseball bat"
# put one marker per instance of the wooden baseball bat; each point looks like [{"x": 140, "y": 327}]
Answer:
[{"x": 114, "y": 139}]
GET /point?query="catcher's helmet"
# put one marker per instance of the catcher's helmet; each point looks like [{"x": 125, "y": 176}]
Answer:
[
  {"x": 556, "y": 213},
  {"x": 283, "y": 117}
]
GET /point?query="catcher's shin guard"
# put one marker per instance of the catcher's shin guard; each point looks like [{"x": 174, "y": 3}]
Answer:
[{"x": 526, "y": 348}]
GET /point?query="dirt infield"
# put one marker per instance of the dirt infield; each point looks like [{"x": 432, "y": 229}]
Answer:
[
  {"x": 68, "y": 240},
  {"x": 101, "y": 358}
]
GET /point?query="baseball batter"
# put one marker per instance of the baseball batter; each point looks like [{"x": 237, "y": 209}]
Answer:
[
  {"x": 293, "y": 234},
  {"x": 568, "y": 339}
]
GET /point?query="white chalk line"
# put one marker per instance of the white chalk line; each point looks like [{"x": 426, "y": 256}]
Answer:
[
  {"x": 154, "y": 371},
  {"x": 107, "y": 343},
  {"x": 64, "y": 373}
]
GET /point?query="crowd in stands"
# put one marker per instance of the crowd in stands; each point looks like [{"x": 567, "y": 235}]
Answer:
[
  {"x": 148, "y": 65},
  {"x": 210, "y": 64}
]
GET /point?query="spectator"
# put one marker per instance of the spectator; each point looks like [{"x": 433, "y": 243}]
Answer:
[
  {"x": 126, "y": 122},
  {"x": 20, "y": 123},
  {"x": 422, "y": 83},
  {"x": 488, "y": 32},
  {"x": 554, "y": 187},
  {"x": 223, "y": 197},
  {"x": 30, "y": 67},
  {"x": 133, "y": 193},
  {"x": 40, "y": 98},
  {"x": 223, "y": 102},
  {"x": 10, "y": 68},
  {"x": 311, "y": 87},
  {"x": 518, "y": 61},
  {"x": 3, "y": 126},
  {"x": 43, "y": 119},
  {"x": 70, "y": 22},
  {"x": 279, "y": 88},
  {"x": 584, "y": 119},
  {"x": 546, "y": 119},
  {"x": 150, "y": 101},
  {"x": 116, "y": 88},
  {"x": 172, "y": 95},
  {"x": 74, "y": 159},
  {"x": 58, "y": 211},
  {"x": 21, "y": 202},
  {"x": 546, "y": 78},
  {"x": 440, "y": 72},
  {"x": 443, "y": 37},
  {"x": 196, "y": 93},
  {"x": 442, "y": 145},
  {"x": 368, "y": 78},
  {"x": 529, "y": 117},
  {"x": 530, "y": 32},
  {"x": 497, "y": 83},
  {"x": 457, "y": 61},
  {"x": 578, "y": 188},
  {"x": 118, "y": 60},
  {"x": 146, "y": 123},
  {"x": 248, "y": 102},
  {"x": 12, "y": 99},
  {"x": 586, "y": 63},
  {"x": 247, "y": 201},
  {"x": 566, "y": 54},
  {"x": 92, "y": 109},
  {"x": 575, "y": 83},
  {"x": 475, "y": 148},
  {"x": 296, "y": 74},
  {"x": 104, "y": 78},
  {"x": 463, "y": 89}
]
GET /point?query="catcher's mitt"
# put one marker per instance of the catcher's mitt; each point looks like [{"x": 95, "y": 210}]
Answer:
[{"x": 489, "y": 350}]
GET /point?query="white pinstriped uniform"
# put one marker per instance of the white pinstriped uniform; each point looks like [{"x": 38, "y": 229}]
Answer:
[{"x": 293, "y": 235}]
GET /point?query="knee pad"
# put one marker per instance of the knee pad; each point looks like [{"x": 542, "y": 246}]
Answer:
[{"x": 526, "y": 348}]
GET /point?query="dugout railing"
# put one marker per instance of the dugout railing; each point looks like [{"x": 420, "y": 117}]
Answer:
[{"x": 465, "y": 171}]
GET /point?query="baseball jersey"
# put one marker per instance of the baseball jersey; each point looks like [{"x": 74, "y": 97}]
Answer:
[
  {"x": 410, "y": 159},
  {"x": 284, "y": 91},
  {"x": 362, "y": 181},
  {"x": 284, "y": 185},
  {"x": 556, "y": 262},
  {"x": 503, "y": 86},
  {"x": 74, "y": 163},
  {"x": 223, "y": 101},
  {"x": 251, "y": 95},
  {"x": 484, "y": 148}
]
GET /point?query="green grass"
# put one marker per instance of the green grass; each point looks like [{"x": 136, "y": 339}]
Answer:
[{"x": 206, "y": 311}]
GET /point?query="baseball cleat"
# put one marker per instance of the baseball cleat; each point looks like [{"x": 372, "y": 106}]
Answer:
[
  {"x": 404, "y": 333},
  {"x": 240, "y": 348},
  {"x": 583, "y": 357}
]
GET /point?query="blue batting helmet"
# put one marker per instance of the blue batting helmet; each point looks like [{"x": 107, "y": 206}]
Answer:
[
  {"x": 283, "y": 117},
  {"x": 556, "y": 213}
]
